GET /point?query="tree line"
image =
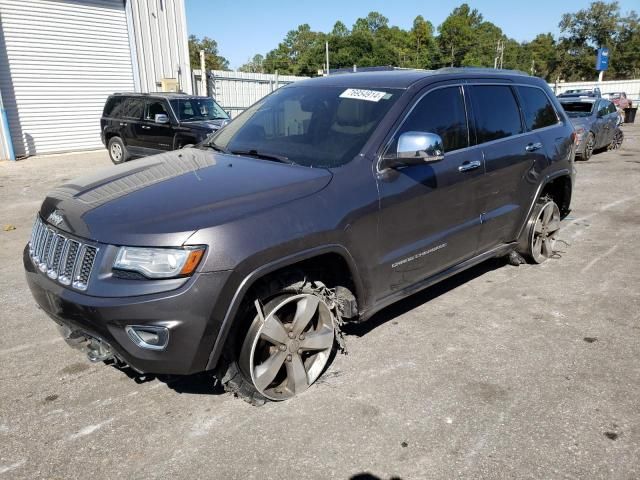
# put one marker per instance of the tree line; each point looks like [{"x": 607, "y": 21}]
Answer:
[{"x": 464, "y": 39}]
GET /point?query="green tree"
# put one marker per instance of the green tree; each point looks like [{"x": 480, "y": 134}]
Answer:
[
  {"x": 423, "y": 43},
  {"x": 254, "y": 65},
  {"x": 626, "y": 56},
  {"x": 373, "y": 22},
  {"x": 340, "y": 30},
  {"x": 457, "y": 34},
  {"x": 212, "y": 59}
]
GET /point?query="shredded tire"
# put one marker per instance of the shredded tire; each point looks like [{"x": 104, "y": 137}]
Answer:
[{"x": 294, "y": 282}]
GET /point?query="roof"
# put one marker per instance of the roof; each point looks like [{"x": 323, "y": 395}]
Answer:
[
  {"x": 577, "y": 99},
  {"x": 168, "y": 95},
  {"x": 403, "y": 78}
]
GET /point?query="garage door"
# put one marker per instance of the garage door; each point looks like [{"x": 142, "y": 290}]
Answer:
[{"x": 64, "y": 58}]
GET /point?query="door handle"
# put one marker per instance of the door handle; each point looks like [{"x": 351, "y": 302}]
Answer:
[
  {"x": 532, "y": 147},
  {"x": 466, "y": 166},
  {"x": 146, "y": 127}
]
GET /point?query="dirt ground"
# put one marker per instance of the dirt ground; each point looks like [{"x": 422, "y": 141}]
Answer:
[{"x": 500, "y": 372}]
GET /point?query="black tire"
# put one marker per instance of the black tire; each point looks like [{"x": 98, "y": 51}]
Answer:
[
  {"x": 589, "y": 146},
  {"x": 616, "y": 142},
  {"x": 232, "y": 371},
  {"x": 538, "y": 239},
  {"x": 117, "y": 151}
]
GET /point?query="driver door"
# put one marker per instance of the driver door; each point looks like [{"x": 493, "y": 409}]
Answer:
[
  {"x": 430, "y": 214},
  {"x": 152, "y": 135}
]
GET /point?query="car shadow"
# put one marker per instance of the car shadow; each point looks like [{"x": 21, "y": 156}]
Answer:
[
  {"x": 204, "y": 383},
  {"x": 417, "y": 299}
]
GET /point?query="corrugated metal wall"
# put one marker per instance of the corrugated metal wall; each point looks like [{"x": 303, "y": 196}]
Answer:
[
  {"x": 58, "y": 62},
  {"x": 630, "y": 87},
  {"x": 159, "y": 43},
  {"x": 235, "y": 91}
]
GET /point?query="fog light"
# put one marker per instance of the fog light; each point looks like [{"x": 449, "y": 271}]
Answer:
[{"x": 149, "y": 337}]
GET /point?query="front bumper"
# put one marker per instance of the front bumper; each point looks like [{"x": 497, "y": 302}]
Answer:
[{"x": 187, "y": 312}]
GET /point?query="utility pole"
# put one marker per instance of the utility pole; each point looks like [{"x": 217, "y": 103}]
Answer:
[
  {"x": 203, "y": 74},
  {"x": 497, "y": 62},
  {"x": 326, "y": 51}
]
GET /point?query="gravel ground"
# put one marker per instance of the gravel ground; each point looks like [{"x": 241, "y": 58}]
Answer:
[{"x": 500, "y": 372}]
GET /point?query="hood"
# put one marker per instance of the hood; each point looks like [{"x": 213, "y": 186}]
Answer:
[
  {"x": 208, "y": 125},
  {"x": 162, "y": 200}
]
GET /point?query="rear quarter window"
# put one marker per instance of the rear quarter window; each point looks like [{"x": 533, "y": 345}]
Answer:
[
  {"x": 495, "y": 111},
  {"x": 113, "y": 107},
  {"x": 536, "y": 107}
]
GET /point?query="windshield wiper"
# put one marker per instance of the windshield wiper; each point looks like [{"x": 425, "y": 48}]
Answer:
[
  {"x": 216, "y": 147},
  {"x": 266, "y": 156}
]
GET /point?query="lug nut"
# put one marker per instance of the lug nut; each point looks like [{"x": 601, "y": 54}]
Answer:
[
  {"x": 282, "y": 348},
  {"x": 291, "y": 335},
  {"x": 302, "y": 336},
  {"x": 289, "y": 358}
]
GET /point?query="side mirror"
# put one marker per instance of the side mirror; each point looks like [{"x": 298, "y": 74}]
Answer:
[
  {"x": 415, "y": 148},
  {"x": 161, "y": 118}
]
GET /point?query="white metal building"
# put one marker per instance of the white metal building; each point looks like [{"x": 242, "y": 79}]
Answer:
[{"x": 60, "y": 59}]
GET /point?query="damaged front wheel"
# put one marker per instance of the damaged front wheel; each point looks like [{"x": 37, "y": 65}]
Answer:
[{"x": 288, "y": 344}]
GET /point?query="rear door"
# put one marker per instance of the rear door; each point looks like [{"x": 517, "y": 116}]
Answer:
[
  {"x": 601, "y": 123},
  {"x": 429, "y": 214},
  {"x": 511, "y": 153},
  {"x": 130, "y": 118}
]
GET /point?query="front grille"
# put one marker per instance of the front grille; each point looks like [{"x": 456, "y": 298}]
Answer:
[{"x": 63, "y": 259}]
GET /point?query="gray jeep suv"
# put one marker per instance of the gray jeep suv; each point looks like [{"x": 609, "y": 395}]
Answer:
[{"x": 322, "y": 203}]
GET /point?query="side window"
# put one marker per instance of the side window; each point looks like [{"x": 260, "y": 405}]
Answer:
[
  {"x": 133, "y": 108},
  {"x": 603, "y": 108},
  {"x": 496, "y": 112},
  {"x": 612, "y": 108},
  {"x": 537, "y": 109},
  {"x": 442, "y": 112},
  {"x": 113, "y": 107},
  {"x": 155, "y": 108}
]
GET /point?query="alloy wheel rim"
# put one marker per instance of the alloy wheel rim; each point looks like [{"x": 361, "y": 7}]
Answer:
[
  {"x": 617, "y": 140},
  {"x": 116, "y": 151},
  {"x": 287, "y": 352},
  {"x": 543, "y": 236}
]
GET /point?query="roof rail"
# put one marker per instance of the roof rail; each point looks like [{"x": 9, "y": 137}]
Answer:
[
  {"x": 154, "y": 93},
  {"x": 480, "y": 70}
]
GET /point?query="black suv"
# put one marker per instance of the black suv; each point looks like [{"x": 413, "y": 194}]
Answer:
[
  {"x": 142, "y": 124},
  {"x": 322, "y": 203}
]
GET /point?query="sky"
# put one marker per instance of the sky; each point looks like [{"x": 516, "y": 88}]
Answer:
[{"x": 243, "y": 28}]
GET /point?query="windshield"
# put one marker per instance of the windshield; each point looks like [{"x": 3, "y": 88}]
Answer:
[
  {"x": 197, "y": 109},
  {"x": 578, "y": 109},
  {"x": 308, "y": 125}
]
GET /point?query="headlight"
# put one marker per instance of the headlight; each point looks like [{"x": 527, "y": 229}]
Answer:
[{"x": 159, "y": 262}]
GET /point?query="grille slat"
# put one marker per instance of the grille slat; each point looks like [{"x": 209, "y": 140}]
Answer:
[{"x": 64, "y": 259}]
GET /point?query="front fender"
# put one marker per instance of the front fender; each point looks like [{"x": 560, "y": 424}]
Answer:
[{"x": 239, "y": 288}]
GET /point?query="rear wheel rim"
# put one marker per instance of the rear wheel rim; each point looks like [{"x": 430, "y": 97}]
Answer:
[
  {"x": 285, "y": 354},
  {"x": 544, "y": 231},
  {"x": 116, "y": 152}
]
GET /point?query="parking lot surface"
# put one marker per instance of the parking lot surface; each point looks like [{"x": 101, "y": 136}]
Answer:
[{"x": 501, "y": 372}]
